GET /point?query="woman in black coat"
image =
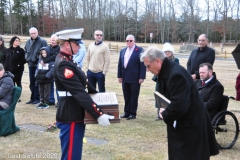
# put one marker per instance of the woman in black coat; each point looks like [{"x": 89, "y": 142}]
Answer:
[
  {"x": 14, "y": 60},
  {"x": 3, "y": 49}
]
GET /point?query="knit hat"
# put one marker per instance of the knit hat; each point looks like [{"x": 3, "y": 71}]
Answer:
[{"x": 168, "y": 47}]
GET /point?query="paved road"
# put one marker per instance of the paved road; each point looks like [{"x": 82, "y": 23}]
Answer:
[{"x": 186, "y": 55}]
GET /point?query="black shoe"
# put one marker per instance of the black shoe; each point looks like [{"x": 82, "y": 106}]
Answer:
[
  {"x": 40, "y": 105},
  {"x": 124, "y": 116},
  {"x": 158, "y": 118},
  {"x": 45, "y": 106},
  {"x": 131, "y": 117},
  {"x": 30, "y": 102},
  {"x": 51, "y": 103},
  {"x": 35, "y": 102}
]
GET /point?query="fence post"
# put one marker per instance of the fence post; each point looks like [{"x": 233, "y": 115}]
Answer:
[
  {"x": 109, "y": 45},
  {"x": 225, "y": 54},
  {"x": 117, "y": 48}
]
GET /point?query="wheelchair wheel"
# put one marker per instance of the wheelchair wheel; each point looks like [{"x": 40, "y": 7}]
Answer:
[{"x": 226, "y": 129}]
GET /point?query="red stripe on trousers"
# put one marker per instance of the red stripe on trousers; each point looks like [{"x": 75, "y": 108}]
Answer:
[{"x": 70, "y": 149}]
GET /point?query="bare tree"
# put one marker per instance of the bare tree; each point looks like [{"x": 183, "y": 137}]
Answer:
[
  {"x": 208, "y": 11},
  {"x": 237, "y": 34},
  {"x": 10, "y": 16},
  {"x": 223, "y": 8}
]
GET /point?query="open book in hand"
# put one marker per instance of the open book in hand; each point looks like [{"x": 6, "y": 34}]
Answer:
[{"x": 163, "y": 102}]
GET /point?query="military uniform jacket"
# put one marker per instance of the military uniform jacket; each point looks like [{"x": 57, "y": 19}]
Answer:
[{"x": 70, "y": 78}]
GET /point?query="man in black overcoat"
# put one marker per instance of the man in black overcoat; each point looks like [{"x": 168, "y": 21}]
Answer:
[
  {"x": 210, "y": 89},
  {"x": 189, "y": 129}
]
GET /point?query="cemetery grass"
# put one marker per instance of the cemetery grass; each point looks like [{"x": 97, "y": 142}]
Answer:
[{"x": 142, "y": 138}]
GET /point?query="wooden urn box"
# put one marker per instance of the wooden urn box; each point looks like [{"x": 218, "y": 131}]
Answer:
[{"x": 107, "y": 102}]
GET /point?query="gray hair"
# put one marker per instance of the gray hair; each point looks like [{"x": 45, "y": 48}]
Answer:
[
  {"x": 204, "y": 36},
  {"x": 132, "y": 36},
  {"x": 33, "y": 28},
  {"x": 1, "y": 67},
  {"x": 54, "y": 36},
  {"x": 152, "y": 53}
]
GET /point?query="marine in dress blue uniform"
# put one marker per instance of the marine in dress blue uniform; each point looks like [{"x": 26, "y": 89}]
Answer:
[{"x": 73, "y": 90}]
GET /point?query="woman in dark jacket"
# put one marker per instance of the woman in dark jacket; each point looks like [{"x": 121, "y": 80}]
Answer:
[
  {"x": 14, "y": 60},
  {"x": 6, "y": 88},
  {"x": 3, "y": 49}
]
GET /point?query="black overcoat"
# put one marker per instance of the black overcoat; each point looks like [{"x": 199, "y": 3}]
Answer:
[
  {"x": 211, "y": 94},
  {"x": 193, "y": 137}
]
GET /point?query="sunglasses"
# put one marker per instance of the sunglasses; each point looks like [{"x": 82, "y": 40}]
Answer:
[
  {"x": 99, "y": 35},
  {"x": 129, "y": 40}
]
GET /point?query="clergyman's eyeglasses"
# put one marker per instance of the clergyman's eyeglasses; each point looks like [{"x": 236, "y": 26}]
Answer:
[{"x": 129, "y": 40}]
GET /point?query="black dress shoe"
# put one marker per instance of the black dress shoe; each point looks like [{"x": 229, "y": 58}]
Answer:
[
  {"x": 158, "y": 118},
  {"x": 51, "y": 103},
  {"x": 30, "y": 102},
  {"x": 124, "y": 116},
  {"x": 131, "y": 117}
]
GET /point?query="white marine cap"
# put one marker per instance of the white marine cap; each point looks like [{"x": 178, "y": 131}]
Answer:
[{"x": 70, "y": 34}]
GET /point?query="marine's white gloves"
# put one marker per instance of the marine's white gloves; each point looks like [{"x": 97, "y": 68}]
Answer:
[{"x": 103, "y": 120}]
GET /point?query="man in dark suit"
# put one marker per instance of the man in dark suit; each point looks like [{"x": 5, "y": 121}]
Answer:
[
  {"x": 131, "y": 73},
  {"x": 189, "y": 129},
  {"x": 209, "y": 88}
]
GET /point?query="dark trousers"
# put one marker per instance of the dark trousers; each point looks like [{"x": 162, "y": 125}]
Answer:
[
  {"x": 130, "y": 94},
  {"x": 71, "y": 137},
  {"x": 44, "y": 90},
  {"x": 18, "y": 78},
  {"x": 51, "y": 97},
  {"x": 95, "y": 78},
  {"x": 33, "y": 86}
]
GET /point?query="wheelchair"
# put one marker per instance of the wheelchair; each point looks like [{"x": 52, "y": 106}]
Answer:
[{"x": 225, "y": 125}]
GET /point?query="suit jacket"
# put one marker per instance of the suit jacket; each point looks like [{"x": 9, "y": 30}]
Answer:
[
  {"x": 193, "y": 129},
  {"x": 211, "y": 94},
  {"x": 135, "y": 69}
]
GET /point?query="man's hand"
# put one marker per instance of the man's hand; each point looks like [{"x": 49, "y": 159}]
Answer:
[
  {"x": 140, "y": 81},
  {"x": 193, "y": 76},
  {"x": 160, "y": 112},
  {"x": 120, "y": 80},
  {"x": 103, "y": 120}
]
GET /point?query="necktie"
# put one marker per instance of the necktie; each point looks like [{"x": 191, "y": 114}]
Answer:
[{"x": 203, "y": 83}]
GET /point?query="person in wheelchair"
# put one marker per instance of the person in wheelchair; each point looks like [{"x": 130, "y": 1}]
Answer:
[
  {"x": 6, "y": 88},
  {"x": 209, "y": 88}
]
